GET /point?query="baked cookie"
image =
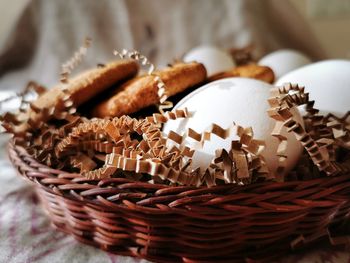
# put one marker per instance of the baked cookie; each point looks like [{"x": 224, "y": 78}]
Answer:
[
  {"x": 142, "y": 91},
  {"x": 82, "y": 88},
  {"x": 248, "y": 71}
]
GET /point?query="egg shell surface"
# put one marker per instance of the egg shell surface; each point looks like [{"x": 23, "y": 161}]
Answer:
[
  {"x": 328, "y": 83},
  {"x": 214, "y": 59},
  {"x": 284, "y": 60},
  {"x": 233, "y": 100}
]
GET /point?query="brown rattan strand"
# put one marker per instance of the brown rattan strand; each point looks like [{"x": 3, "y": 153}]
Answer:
[{"x": 187, "y": 224}]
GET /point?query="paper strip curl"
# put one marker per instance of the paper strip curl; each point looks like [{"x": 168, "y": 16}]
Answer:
[{"x": 318, "y": 141}]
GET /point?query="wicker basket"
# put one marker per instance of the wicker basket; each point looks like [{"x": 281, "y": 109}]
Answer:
[{"x": 186, "y": 224}]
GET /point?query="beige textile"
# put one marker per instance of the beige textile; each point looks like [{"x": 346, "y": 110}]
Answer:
[{"x": 49, "y": 31}]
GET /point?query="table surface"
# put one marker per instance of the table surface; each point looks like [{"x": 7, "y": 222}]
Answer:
[{"x": 27, "y": 236}]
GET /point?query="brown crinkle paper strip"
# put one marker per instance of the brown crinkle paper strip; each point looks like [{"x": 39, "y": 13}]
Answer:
[
  {"x": 321, "y": 138},
  {"x": 76, "y": 59},
  {"x": 150, "y": 155},
  {"x": 137, "y": 148}
]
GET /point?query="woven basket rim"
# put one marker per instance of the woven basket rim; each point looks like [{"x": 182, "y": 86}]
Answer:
[
  {"x": 61, "y": 183},
  {"x": 271, "y": 215}
]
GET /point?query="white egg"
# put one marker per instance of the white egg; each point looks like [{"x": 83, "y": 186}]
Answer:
[
  {"x": 284, "y": 60},
  {"x": 233, "y": 100},
  {"x": 215, "y": 60},
  {"x": 328, "y": 83}
]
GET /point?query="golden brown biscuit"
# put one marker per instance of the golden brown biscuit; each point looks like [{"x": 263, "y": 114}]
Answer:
[
  {"x": 142, "y": 91},
  {"x": 90, "y": 83},
  {"x": 83, "y": 87},
  {"x": 248, "y": 71}
]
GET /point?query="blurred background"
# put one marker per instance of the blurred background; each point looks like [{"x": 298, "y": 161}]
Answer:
[
  {"x": 330, "y": 21},
  {"x": 34, "y": 34}
]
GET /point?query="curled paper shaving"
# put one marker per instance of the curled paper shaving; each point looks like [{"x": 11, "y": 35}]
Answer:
[
  {"x": 32, "y": 87},
  {"x": 340, "y": 128},
  {"x": 73, "y": 62},
  {"x": 10, "y": 120},
  {"x": 319, "y": 145},
  {"x": 33, "y": 120},
  {"x": 30, "y": 92},
  {"x": 32, "y": 128},
  {"x": 164, "y": 104},
  {"x": 243, "y": 56},
  {"x": 150, "y": 154}
]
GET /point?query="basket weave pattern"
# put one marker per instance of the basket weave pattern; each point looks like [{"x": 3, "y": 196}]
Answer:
[{"x": 187, "y": 224}]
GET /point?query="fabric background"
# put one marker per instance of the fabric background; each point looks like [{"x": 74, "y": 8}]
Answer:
[{"x": 49, "y": 31}]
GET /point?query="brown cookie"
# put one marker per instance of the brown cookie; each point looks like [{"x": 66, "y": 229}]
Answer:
[
  {"x": 142, "y": 91},
  {"x": 83, "y": 87},
  {"x": 248, "y": 71}
]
